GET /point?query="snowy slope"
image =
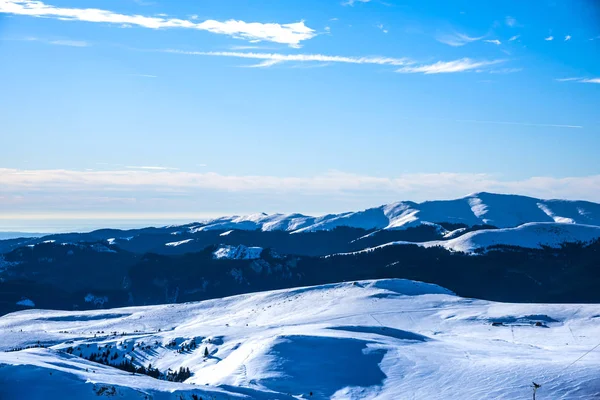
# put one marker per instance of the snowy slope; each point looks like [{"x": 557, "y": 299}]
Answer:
[
  {"x": 387, "y": 339},
  {"x": 240, "y": 252},
  {"x": 502, "y": 211},
  {"x": 179, "y": 243},
  {"x": 531, "y": 235}
]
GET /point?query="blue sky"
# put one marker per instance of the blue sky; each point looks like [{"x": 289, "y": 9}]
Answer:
[{"x": 185, "y": 109}]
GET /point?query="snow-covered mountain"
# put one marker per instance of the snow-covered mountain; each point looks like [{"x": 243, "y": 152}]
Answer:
[
  {"x": 499, "y": 210},
  {"x": 313, "y": 236},
  {"x": 386, "y": 339}
]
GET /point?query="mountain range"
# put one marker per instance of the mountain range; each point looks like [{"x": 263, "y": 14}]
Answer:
[
  {"x": 433, "y": 299},
  {"x": 499, "y": 210},
  {"x": 491, "y": 246}
]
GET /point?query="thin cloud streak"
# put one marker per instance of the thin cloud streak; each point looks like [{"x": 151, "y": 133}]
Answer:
[
  {"x": 352, "y": 2},
  {"x": 580, "y": 80},
  {"x": 494, "y": 41},
  {"x": 520, "y": 123},
  {"x": 151, "y": 168},
  {"x": 263, "y": 64},
  {"x": 457, "y": 39},
  {"x": 321, "y": 58},
  {"x": 440, "y": 67},
  {"x": 55, "y": 42},
  {"x": 291, "y": 34},
  {"x": 506, "y": 70},
  {"x": 71, "y": 43},
  {"x": 409, "y": 66},
  {"x": 568, "y": 79}
]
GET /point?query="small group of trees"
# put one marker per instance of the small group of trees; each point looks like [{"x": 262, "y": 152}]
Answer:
[
  {"x": 188, "y": 347},
  {"x": 173, "y": 376},
  {"x": 38, "y": 345},
  {"x": 178, "y": 376},
  {"x": 128, "y": 365}
]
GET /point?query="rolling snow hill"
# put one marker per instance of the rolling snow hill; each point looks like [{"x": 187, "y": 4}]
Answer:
[
  {"x": 385, "y": 339},
  {"x": 531, "y": 235}
]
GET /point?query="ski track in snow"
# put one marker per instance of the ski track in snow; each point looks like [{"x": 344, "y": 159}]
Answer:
[{"x": 383, "y": 339}]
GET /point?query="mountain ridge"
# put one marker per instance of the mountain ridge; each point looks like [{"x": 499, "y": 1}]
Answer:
[{"x": 482, "y": 208}]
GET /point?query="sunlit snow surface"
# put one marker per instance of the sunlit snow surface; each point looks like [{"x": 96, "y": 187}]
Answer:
[
  {"x": 386, "y": 339},
  {"x": 240, "y": 252},
  {"x": 531, "y": 235}
]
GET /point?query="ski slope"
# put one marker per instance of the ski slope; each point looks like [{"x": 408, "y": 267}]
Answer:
[
  {"x": 384, "y": 339},
  {"x": 499, "y": 210}
]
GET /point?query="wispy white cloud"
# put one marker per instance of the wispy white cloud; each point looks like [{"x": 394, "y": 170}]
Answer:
[
  {"x": 520, "y": 123},
  {"x": 549, "y": 38},
  {"x": 151, "y": 168},
  {"x": 456, "y": 39},
  {"x": 352, "y": 2},
  {"x": 382, "y": 28},
  {"x": 505, "y": 70},
  {"x": 292, "y": 34},
  {"x": 513, "y": 38},
  {"x": 568, "y": 79},
  {"x": 263, "y": 64},
  {"x": 144, "y": 3},
  {"x": 308, "y": 66},
  {"x": 409, "y": 66},
  {"x": 320, "y": 58},
  {"x": 440, "y": 67},
  {"x": 494, "y": 41},
  {"x": 248, "y": 47},
  {"x": 71, "y": 43},
  {"x": 56, "y": 42},
  {"x": 510, "y": 21},
  {"x": 581, "y": 80},
  {"x": 567, "y": 38}
]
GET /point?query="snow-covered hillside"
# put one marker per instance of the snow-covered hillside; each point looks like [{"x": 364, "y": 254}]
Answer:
[
  {"x": 531, "y": 235},
  {"x": 387, "y": 339},
  {"x": 238, "y": 252},
  {"x": 502, "y": 211}
]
